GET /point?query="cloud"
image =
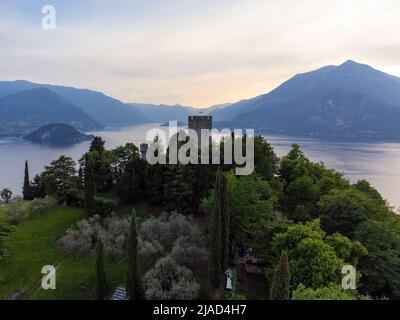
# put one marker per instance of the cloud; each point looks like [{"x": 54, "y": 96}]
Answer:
[{"x": 193, "y": 52}]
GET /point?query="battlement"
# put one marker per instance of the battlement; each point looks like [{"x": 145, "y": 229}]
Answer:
[
  {"x": 143, "y": 150},
  {"x": 199, "y": 118},
  {"x": 198, "y": 123}
]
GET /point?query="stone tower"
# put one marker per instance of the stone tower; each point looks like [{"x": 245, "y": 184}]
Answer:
[
  {"x": 199, "y": 122},
  {"x": 143, "y": 150}
]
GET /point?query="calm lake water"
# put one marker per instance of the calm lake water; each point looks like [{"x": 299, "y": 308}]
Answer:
[{"x": 376, "y": 162}]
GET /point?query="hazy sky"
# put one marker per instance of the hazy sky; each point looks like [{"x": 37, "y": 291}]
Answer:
[{"x": 195, "y": 52}]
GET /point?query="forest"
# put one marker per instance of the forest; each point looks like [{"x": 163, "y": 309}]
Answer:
[{"x": 182, "y": 232}]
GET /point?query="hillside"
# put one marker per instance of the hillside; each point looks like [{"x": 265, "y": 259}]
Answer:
[
  {"x": 57, "y": 134},
  {"x": 349, "y": 100},
  {"x": 30, "y": 109},
  {"x": 164, "y": 113},
  {"x": 339, "y": 113},
  {"x": 102, "y": 108}
]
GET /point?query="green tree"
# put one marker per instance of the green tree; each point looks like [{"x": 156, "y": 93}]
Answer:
[
  {"x": 154, "y": 175},
  {"x": 101, "y": 163},
  {"x": 97, "y": 144},
  {"x": 342, "y": 210},
  {"x": 60, "y": 179},
  {"x": 312, "y": 261},
  {"x": 222, "y": 197},
  {"x": 178, "y": 189},
  {"x": 101, "y": 280},
  {"x": 302, "y": 192},
  {"x": 154, "y": 183},
  {"x": 220, "y": 223},
  {"x": 129, "y": 171},
  {"x": 27, "y": 189},
  {"x": 130, "y": 186},
  {"x": 216, "y": 238},
  {"x": 265, "y": 159},
  {"x": 251, "y": 204},
  {"x": 381, "y": 267},
  {"x": 365, "y": 187},
  {"x": 347, "y": 250},
  {"x": 280, "y": 283},
  {"x": 293, "y": 165},
  {"x": 38, "y": 187},
  {"x": 304, "y": 184},
  {"x": 330, "y": 292},
  {"x": 6, "y": 195},
  {"x": 133, "y": 284},
  {"x": 89, "y": 186}
]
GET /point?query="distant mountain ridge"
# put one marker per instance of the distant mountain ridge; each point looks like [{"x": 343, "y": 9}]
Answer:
[
  {"x": 163, "y": 113},
  {"x": 350, "y": 76},
  {"x": 26, "y": 110},
  {"x": 351, "y": 100},
  {"x": 104, "y": 109},
  {"x": 339, "y": 113}
]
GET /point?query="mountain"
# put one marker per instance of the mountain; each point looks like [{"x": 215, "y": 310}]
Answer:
[
  {"x": 339, "y": 113},
  {"x": 164, "y": 113},
  {"x": 230, "y": 111},
  {"x": 57, "y": 134},
  {"x": 30, "y": 109},
  {"x": 102, "y": 108},
  {"x": 349, "y": 100}
]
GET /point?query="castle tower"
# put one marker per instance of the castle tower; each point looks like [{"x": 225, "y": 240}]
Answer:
[
  {"x": 199, "y": 122},
  {"x": 143, "y": 150}
]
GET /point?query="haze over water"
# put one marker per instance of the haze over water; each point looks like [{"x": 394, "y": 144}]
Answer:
[{"x": 377, "y": 162}]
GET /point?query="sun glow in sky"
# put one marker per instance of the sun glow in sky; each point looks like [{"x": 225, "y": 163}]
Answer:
[{"x": 191, "y": 52}]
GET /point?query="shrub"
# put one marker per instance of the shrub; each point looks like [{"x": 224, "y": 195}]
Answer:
[
  {"x": 150, "y": 251},
  {"x": 331, "y": 292},
  {"x": 5, "y": 229},
  {"x": 187, "y": 252},
  {"x": 112, "y": 230},
  {"x": 169, "y": 281},
  {"x": 104, "y": 207},
  {"x": 39, "y": 206},
  {"x": 20, "y": 209},
  {"x": 172, "y": 234},
  {"x": 17, "y": 210},
  {"x": 75, "y": 198},
  {"x": 167, "y": 228}
]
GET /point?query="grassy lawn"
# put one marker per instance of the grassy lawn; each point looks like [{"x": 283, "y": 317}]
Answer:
[{"x": 33, "y": 245}]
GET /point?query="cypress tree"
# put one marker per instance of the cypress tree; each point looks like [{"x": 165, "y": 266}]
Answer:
[
  {"x": 134, "y": 288},
  {"x": 89, "y": 186},
  {"x": 225, "y": 221},
  {"x": 101, "y": 281},
  {"x": 280, "y": 283},
  {"x": 27, "y": 189},
  {"x": 97, "y": 144},
  {"x": 216, "y": 236},
  {"x": 80, "y": 176}
]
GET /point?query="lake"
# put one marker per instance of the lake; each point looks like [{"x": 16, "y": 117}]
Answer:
[{"x": 377, "y": 162}]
